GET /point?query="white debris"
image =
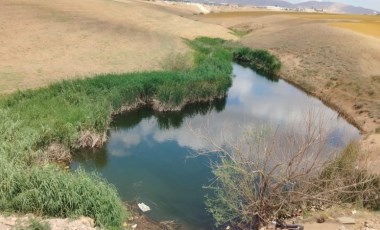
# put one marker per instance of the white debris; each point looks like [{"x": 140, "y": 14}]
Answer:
[
  {"x": 346, "y": 220},
  {"x": 143, "y": 207},
  {"x": 134, "y": 226}
]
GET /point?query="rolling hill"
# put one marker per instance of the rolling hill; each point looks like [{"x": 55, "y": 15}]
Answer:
[{"x": 332, "y": 7}]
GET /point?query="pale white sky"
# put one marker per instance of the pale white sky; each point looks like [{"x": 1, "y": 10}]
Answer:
[{"x": 371, "y": 4}]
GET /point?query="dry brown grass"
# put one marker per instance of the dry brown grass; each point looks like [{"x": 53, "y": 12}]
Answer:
[
  {"x": 364, "y": 27},
  {"x": 45, "y": 41},
  {"x": 365, "y": 24}
]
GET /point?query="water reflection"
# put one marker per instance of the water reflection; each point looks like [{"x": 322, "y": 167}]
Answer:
[
  {"x": 146, "y": 156},
  {"x": 168, "y": 120}
]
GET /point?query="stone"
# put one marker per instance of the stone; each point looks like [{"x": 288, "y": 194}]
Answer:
[
  {"x": 346, "y": 220},
  {"x": 320, "y": 220}
]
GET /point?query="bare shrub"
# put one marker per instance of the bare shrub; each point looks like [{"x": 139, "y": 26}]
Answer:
[{"x": 269, "y": 173}]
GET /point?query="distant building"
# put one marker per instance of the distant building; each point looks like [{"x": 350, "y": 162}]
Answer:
[
  {"x": 274, "y": 8},
  {"x": 319, "y": 10}
]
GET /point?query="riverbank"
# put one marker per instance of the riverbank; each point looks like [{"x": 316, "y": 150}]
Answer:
[
  {"x": 338, "y": 66},
  {"x": 77, "y": 113},
  {"x": 35, "y": 120},
  {"x": 44, "y": 126}
]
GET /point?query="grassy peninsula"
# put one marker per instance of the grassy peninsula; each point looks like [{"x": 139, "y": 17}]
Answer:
[{"x": 41, "y": 127}]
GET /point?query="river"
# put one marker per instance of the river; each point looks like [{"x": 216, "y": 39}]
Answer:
[{"x": 148, "y": 156}]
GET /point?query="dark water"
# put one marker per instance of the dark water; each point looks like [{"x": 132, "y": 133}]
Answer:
[{"x": 147, "y": 154}]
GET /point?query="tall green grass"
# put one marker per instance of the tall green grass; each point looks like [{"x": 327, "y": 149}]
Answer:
[
  {"x": 32, "y": 120},
  {"x": 51, "y": 191},
  {"x": 262, "y": 61}
]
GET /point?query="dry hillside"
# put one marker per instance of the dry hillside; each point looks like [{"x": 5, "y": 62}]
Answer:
[
  {"x": 44, "y": 41},
  {"x": 334, "y": 57}
]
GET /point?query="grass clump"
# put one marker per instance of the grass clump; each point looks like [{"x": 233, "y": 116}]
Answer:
[
  {"x": 350, "y": 180},
  {"x": 51, "y": 191},
  {"x": 240, "y": 32},
  {"x": 260, "y": 60}
]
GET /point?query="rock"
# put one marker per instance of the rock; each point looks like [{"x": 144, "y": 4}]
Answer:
[
  {"x": 134, "y": 226},
  {"x": 321, "y": 219},
  {"x": 346, "y": 220},
  {"x": 353, "y": 212}
]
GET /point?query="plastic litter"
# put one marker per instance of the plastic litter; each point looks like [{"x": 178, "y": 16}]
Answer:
[{"x": 143, "y": 207}]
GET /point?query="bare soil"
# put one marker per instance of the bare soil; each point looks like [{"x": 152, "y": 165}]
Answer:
[
  {"x": 325, "y": 56},
  {"x": 14, "y": 222},
  {"x": 363, "y": 219}
]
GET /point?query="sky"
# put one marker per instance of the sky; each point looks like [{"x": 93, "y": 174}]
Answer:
[{"x": 371, "y": 4}]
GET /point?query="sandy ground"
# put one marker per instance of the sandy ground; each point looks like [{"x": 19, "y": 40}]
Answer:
[
  {"x": 45, "y": 41},
  {"x": 363, "y": 220},
  {"x": 24, "y": 222},
  {"x": 338, "y": 65}
]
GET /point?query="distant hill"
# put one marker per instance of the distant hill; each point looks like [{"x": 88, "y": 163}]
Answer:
[
  {"x": 334, "y": 7},
  {"x": 279, "y": 3},
  {"x": 326, "y": 6}
]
